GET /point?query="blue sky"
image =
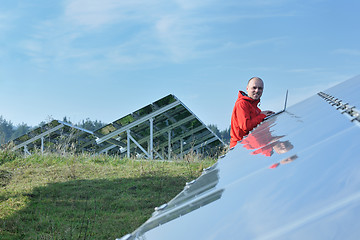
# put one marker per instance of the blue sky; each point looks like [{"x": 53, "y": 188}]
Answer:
[{"x": 104, "y": 59}]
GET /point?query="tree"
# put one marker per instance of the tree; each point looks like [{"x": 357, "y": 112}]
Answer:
[
  {"x": 224, "y": 134},
  {"x": 90, "y": 125},
  {"x": 20, "y": 130},
  {"x": 6, "y": 130},
  {"x": 67, "y": 120}
]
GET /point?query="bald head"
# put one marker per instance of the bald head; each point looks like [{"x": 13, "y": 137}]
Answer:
[{"x": 255, "y": 88}]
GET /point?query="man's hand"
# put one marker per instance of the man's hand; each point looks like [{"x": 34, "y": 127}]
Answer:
[{"x": 268, "y": 113}]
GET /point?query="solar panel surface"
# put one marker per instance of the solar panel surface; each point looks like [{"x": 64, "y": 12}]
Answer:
[{"x": 293, "y": 177}]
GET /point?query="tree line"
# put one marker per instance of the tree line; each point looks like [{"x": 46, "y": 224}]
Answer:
[{"x": 9, "y": 131}]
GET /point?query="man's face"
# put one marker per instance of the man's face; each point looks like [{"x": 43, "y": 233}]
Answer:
[{"x": 255, "y": 88}]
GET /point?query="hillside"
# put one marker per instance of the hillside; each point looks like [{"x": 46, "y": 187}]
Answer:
[{"x": 85, "y": 197}]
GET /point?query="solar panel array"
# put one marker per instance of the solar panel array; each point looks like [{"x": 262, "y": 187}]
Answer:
[
  {"x": 57, "y": 135},
  {"x": 161, "y": 130}
]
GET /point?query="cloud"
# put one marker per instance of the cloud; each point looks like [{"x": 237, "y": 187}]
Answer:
[
  {"x": 306, "y": 70},
  {"x": 3, "y": 19},
  {"x": 275, "y": 40},
  {"x": 234, "y": 46},
  {"x": 92, "y": 13},
  {"x": 50, "y": 42},
  {"x": 6, "y": 22},
  {"x": 135, "y": 32},
  {"x": 347, "y": 51},
  {"x": 180, "y": 36},
  {"x": 95, "y": 14},
  {"x": 264, "y": 3},
  {"x": 114, "y": 33}
]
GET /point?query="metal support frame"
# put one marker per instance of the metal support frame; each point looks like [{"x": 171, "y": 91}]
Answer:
[
  {"x": 150, "y": 152},
  {"x": 75, "y": 127},
  {"x": 115, "y": 143},
  {"x": 128, "y": 143},
  {"x": 42, "y": 145},
  {"x": 204, "y": 124},
  {"x": 137, "y": 144},
  {"x": 158, "y": 154},
  {"x": 137, "y": 122},
  {"x": 195, "y": 148},
  {"x": 169, "y": 144},
  {"x": 204, "y": 140},
  {"x": 38, "y": 137},
  {"x": 26, "y": 151},
  {"x": 105, "y": 150},
  {"x": 181, "y": 147},
  {"x": 149, "y": 139},
  {"x": 151, "y": 142},
  {"x": 189, "y": 133},
  {"x": 345, "y": 108},
  {"x": 44, "y": 134},
  {"x": 165, "y": 130}
]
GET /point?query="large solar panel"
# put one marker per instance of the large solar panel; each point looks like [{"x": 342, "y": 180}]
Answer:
[
  {"x": 57, "y": 135},
  {"x": 161, "y": 130},
  {"x": 295, "y": 176}
]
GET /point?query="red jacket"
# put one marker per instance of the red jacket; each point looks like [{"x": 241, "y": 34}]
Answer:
[{"x": 245, "y": 116}]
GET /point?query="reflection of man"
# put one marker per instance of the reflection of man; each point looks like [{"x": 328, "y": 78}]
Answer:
[
  {"x": 261, "y": 137},
  {"x": 246, "y": 115},
  {"x": 263, "y": 141},
  {"x": 279, "y": 146},
  {"x": 284, "y": 161}
]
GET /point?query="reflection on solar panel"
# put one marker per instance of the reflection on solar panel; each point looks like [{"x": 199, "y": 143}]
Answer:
[
  {"x": 57, "y": 135},
  {"x": 163, "y": 129}
]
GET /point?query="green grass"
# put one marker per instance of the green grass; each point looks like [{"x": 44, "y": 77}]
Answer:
[{"x": 85, "y": 197}]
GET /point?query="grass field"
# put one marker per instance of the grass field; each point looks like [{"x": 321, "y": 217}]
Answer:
[{"x": 52, "y": 196}]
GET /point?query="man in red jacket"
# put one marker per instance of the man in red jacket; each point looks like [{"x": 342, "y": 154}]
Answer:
[{"x": 246, "y": 115}]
